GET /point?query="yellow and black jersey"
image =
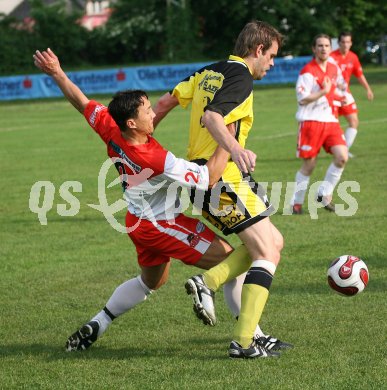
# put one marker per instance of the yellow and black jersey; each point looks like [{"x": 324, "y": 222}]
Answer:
[{"x": 225, "y": 87}]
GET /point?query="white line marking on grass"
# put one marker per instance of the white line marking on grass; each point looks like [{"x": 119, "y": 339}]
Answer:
[
  {"x": 380, "y": 120},
  {"x": 6, "y": 129}
]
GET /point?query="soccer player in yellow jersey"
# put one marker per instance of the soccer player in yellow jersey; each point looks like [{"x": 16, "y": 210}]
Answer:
[{"x": 221, "y": 94}]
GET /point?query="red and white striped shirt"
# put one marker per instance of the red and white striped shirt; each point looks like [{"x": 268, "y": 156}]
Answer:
[{"x": 151, "y": 176}]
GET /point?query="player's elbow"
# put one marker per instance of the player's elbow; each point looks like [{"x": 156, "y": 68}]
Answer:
[{"x": 208, "y": 118}]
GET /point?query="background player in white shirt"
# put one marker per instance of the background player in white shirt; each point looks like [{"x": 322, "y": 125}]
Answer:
[{"x": 318, "y": 124}]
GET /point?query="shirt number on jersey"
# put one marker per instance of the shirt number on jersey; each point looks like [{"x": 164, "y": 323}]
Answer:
[{"x": 191, "y": 175}]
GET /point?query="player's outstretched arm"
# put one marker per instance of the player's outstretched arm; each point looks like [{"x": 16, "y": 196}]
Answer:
[
  {"x": 49, "y": 63},
  {"x": 166, "y": 103},
  {"x": 243, "y": 158}
]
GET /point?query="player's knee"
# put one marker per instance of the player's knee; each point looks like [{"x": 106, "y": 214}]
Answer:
[
  {"x": 216, "y": 252},
  {"x": 154, "y": 284},
  {"x": 272, "y": 253},
  {"x": 221, "y": 248},
  {"x": 341, "y": 160}
]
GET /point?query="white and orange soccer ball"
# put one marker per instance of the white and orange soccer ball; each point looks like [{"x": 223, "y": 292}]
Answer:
[{"x": 348, "y": 275}]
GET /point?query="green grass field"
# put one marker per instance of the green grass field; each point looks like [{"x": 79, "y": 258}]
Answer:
[{"x": 55, "y": 277}]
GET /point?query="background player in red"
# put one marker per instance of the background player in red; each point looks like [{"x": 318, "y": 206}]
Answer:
[
  {"x": 318, "y": 124},
  {"x": 350, "y": 65}
]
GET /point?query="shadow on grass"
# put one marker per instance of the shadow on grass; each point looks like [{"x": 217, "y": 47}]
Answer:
[{"x": 178, "y": 350}]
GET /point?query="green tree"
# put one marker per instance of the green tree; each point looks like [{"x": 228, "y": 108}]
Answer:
[
  {"x": 16, "y": 47},
  {"x": 57, "y": 29},
  {"x": 136, "y": 30}
]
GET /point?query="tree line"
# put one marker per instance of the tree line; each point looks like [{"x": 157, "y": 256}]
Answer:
[{"x": 150, "y": 31}]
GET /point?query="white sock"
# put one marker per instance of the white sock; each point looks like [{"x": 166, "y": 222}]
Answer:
[
  {"x": 266, "y": 264},
  {"x": 302, "y": 183},
  {"x": 232, "y": 294},
  {"x": 350, "y": 135},
  {"x": 104, "y": 321},
  {"x": 332, "y": 177},
  {"x": 125, "y": 297}
]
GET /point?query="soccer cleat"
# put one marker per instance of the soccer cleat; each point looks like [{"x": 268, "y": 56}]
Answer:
[
  {"x": 330, "y": 206},
  {"x": 203, "y": 299},
  {"x": 297, "y": 209},
  {"x": 254, "y": 350},
  {"x": 83, "y": 338},
  {"x": 272, "y": 344}
]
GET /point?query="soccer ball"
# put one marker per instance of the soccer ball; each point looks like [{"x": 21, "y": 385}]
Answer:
[{"x": 348, "y": 275}]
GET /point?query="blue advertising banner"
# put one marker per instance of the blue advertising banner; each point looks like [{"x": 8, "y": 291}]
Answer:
[{"x": 148, "y": 78}]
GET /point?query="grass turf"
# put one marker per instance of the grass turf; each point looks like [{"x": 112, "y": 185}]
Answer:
[{"x": 55, "y": 277}]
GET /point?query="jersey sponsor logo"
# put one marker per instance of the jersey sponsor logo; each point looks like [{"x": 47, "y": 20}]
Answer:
[
  {"x": 231, "y": 221},
  {"x": 211, "y": 82},
  {"x": 93, "y": 115},
  {"x": 306, "y": 148},
  {"x": 193, "y": 240},
  {"x": 122, "y": 154},
  {"x": 200, "y": 227}
]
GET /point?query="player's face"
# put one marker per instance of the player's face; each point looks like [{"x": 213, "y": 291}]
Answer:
[
  {"x": 144, "y": 120},
  {"x": 265, "y": 61},
  {"x": 322, "y": 49},
  {"x": 345, "y": 44}
]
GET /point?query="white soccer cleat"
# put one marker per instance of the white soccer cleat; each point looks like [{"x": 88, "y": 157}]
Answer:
[{"x": 203, "y": 299}]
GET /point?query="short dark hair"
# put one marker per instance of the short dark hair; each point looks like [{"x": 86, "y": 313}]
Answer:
[
  {"x": 256, "y": 33},
  {"x": 321, "y": 36},
  {"x": 345, "y": 34},
  {"x": 124, "y": 106}
]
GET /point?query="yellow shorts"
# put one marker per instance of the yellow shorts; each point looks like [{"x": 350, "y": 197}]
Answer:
[{"x": 234, "y": 203}]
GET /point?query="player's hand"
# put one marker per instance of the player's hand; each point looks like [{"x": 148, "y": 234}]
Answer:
[
  {"x": 47, "y": 61},
  {"x": 370, "y": 95},
  {"x": 327, "y": 84},
  {"x": 244, "y": 159}
]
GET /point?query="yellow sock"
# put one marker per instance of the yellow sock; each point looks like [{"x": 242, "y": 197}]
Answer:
[
  {"x": 254, "y": 299},
  {"x": 255, "y": 292},
  {"x": 237, "y": 263}
]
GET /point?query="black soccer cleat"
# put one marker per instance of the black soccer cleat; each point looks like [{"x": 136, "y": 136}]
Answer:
[
  {"x": 83, "y": 338},
  {"x": 329, "y": 206},
  {"x": 254, "y": 350},
  {"x": 273, "y": 344}
]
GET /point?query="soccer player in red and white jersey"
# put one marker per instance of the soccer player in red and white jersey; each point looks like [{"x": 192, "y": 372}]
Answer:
[
  {"x": 147, "y": 171},
  {"x": 318, "y": 124},
  {"x": 350, "y": 65}
]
